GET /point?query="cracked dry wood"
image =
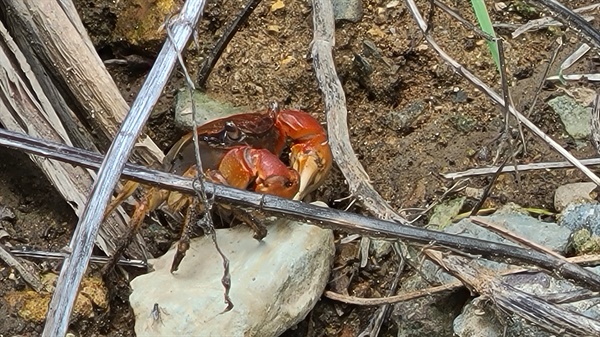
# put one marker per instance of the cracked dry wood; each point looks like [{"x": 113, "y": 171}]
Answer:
[
  {"x": 335, "y": 108},
  {"x": 25, "y": 108},
  {"x": 65, "y": 50}
]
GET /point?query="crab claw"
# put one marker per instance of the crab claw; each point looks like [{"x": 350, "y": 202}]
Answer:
[
  {"x": 244, "y": 167},
  {"x": 313, "y": 161},
  {"x": 310, "y": 152}
]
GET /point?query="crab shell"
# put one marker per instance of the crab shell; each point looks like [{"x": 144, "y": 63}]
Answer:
[{"x": 255, "y": 129}]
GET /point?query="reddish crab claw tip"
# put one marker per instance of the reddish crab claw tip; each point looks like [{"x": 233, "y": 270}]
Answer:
[{"x": 313, "y": 166}]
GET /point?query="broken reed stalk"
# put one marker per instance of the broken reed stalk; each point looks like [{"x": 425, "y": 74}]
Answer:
[
  {"x": 61, "y": 305},
  {"x": 25, "y": 108},
  {"x": 59, "y": 41},
  {"x": 508, "y": 299},
  {"x": 323, "y": 217},
  {"x": 20, "y": 26},
  {"x": 335, "y": 108}
]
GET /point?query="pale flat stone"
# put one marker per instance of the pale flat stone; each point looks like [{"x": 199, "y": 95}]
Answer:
[
  {"x": 573, "y": 193},
  {"x": 206, "y": 108},
  {"x": 275, "y": 283}
]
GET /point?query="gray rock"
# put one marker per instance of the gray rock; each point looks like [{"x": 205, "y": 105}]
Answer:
[
  {"x": 430, "y": 315},
  {"x": 380, "y": 248},
  {"x": 569, "y": 193},
  {"x": 475, "y": 321},
  {"x": 274, "y": 284},
  {"x": 578, "y": 216},
  {"x": 576, "y": 118},
  {"x": 402, "y": 120},
  {"x": 349, "y": 10},
  {"x": 427, "y": 316},
  {"x": 444, "y": 213},
  {"x": 207, "y": 109}
]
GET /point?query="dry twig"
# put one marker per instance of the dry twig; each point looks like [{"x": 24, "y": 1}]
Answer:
[
  {"x": 324, "y": 217},
  {"x": 57, "y": 319},
  {"x": 335, "y": 108},
  {"x": 495, "y": 97}
]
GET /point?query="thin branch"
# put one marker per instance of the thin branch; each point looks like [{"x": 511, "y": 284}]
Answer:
[
  {"x": 324, "y": 217},
  {"x": 488, "y": 189},
  {"x": 61, "y": 305},
  {"x": 335, "y": 108},
  {"x": 452, "y": 286},
  {"x": 220, "y": 46},
  {"x": 523, "y": 167},
  {"x": 495, "y": 97},
  {"x": 559, "y": 43}
]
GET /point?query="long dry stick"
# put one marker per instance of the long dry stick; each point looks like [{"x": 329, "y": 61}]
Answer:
[
  {"x": 57, "y": 319},
  {"x": 522, "y": 167},
  {"x": 324, "y": 217},
  {"x": 451, "y": 286}
]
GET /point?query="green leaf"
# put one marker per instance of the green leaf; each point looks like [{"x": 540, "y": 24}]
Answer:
[{"x": 485, "y": 23}]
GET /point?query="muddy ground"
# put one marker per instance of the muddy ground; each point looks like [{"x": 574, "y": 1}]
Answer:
[{"x": 266, "y": 62}]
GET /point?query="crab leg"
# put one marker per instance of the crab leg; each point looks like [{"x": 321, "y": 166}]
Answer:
[
  {"x": 244, "y": 167},
  {"x": 148, "y": 203}
]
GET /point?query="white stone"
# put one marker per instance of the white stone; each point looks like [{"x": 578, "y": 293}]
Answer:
[
  {"x": 275, "y": 283},
  {"x": 573, "y": 193}
]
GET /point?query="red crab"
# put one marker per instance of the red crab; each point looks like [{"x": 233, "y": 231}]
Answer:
[{"x": 244, "y": 151}]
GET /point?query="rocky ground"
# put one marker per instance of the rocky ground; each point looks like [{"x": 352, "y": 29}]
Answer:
[{"x": 411, "y": 119}]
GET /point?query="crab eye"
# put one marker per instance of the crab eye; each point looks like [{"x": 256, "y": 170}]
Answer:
[{"x": 232, "y": 132}]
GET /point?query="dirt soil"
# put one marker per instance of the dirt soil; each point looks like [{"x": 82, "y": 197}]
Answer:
[{"x": 449, "y": 126}]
